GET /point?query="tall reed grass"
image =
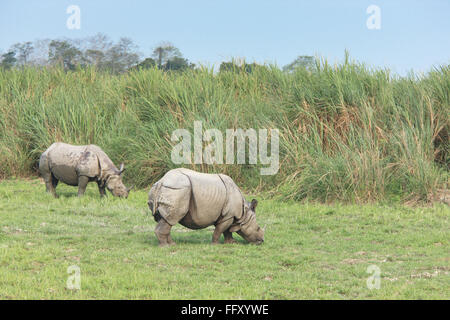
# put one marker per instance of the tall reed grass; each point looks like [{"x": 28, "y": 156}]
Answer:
[{"x": 347, "y": 132}]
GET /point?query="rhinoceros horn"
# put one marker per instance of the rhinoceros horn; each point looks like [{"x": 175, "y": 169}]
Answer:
[{"x": 122, "y": 169}]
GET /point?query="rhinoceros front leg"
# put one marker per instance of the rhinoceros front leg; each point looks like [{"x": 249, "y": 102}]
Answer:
[
  {"x": 82, "y": 184},
  {"x": 221, "y": 228},
  {"x": 101, "y": 189},
  {"x": 228, "y": 237},
  {"x": 162, "y": 232}
]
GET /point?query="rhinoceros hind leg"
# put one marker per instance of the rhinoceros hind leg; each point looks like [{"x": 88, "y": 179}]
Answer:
[
  {"x": 54, "y": 181},
  {"x": 50, "y": 188},
  {"x": 54, "y": 184},
  {"x": 82, "y": 184},
  {"x": 162, "y": 232},
  {"x": 50, "y": 185}
]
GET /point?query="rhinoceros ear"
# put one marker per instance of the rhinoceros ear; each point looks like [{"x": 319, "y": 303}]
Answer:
[{"x": 253, "y": 204}]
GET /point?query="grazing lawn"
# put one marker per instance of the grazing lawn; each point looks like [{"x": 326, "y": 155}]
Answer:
[{"x": 311, "y": 251}]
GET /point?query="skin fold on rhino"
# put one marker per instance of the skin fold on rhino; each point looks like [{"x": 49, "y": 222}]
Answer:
[
  {"x": 198, "y": 200},
  {"x": 79, "y": 165}
]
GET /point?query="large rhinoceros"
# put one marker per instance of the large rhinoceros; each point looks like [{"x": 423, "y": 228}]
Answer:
[
  {"x": 197, "y": 200},
  {"x": 78, "y": 165}
]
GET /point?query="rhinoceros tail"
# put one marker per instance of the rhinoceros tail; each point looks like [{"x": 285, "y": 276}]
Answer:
[{"x": 153, "y": 203}]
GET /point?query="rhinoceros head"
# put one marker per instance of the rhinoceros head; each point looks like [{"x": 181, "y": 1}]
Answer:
[
  {"x": 115, "y": 184},
  {"x": 246, "y": 226}
]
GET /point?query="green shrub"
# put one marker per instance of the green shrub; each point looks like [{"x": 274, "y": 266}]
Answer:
[{"x": 347, "y": 132}]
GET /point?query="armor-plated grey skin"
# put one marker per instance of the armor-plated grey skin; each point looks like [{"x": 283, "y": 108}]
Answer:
[
  {"x": 197, "y": 200},
  {"x": 78, "y": 165}
]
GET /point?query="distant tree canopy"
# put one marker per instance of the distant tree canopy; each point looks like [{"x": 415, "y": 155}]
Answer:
[
  {"x": 147, "y": 63},
  {"x": 121, "y": 56},
  {"x": 23, "y": 52},
  {"x": 116, "y": 57},
  {"x": 235, "y": 66},
  {"x": 64, "y": 54},
  {"x": 168, "y": 57},
  {"x": 306, "y": 62},
  {"x": 164, "y": 52},
  {"x": 178, "y": 63},
  {"x": 8, "y": 60},
  {"x": 99, "y": 51}
]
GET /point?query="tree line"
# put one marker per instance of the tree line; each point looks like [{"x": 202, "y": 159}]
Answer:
[{"x": 115, "y": 57}]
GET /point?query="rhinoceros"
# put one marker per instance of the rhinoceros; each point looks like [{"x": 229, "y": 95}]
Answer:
[
  {"x": 198, "y": 200},
  {"x": 78, "y": 165}
]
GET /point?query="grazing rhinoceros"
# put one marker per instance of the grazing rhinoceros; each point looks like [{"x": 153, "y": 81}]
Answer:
[
  {"x": 78, "y": 165},
  {"x": 197, "y": 200}
]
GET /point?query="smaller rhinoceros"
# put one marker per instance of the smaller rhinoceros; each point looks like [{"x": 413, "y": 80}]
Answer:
[
  {"x": 78, "y": 165},
  {"x": 197, "y": 200}
]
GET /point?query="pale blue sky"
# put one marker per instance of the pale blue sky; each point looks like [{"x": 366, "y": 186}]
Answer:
[{"x": 414, "y": 34}]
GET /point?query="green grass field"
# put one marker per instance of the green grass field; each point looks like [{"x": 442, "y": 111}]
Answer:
[{"x": 311, "y": 251}]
